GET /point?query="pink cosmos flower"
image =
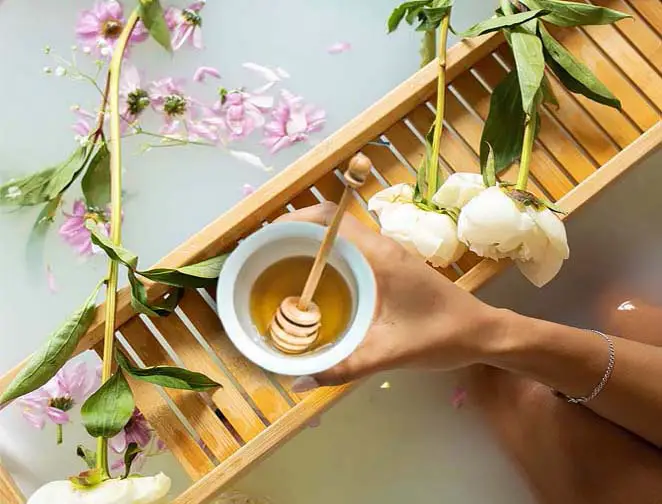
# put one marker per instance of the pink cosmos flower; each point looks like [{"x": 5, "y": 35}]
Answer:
[
  {"x": 99, "y": 27},
  {"x": 186, "y": 25},
  {"x": 140, "y": 432},
  {"x": 136, "y": 431},
  {"x": 241, "y": 113},
  {"x": 134, "y": 98},
  {"x": 184, "y": 117},
  {"x": 83, "y": 125},
  {"x": 292, "y": 121},
  {"x": 69, "y": 387},
  {"x": 76, "y": 234}
]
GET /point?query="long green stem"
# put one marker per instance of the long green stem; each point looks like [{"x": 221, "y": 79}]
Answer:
[
  {"x": 527, "y": 149},
  {"x": 58, "y": 434},
  {"x": 441, "y": 105},
  {"x": 428, "y": 47},
  {"x": 115, "y": 217}
]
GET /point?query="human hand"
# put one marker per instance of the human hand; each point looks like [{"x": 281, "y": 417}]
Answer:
[{"x": 422, "y": 319}]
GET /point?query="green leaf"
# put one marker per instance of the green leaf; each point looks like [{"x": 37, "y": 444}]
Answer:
[
  {"x": 96, "y": 181},
  {"x": 153, "y": 17},
  {"x": 65, "y": 173},
  {"x": 497, "y": 23},
  {"x": 432, "y": 16},
  {"x": 132, "y": 451},
  {"x": 36, "y": 240},
  {"x": 169, "y": 377},
  {"x": 489, "y": 172},
  {"x": 109, "y": 409},
  {"x": 88, "y": 479},
  {"x": 401, "y": 11},
  {"x": 548, "y": 95},
  {"x": 27, "y": 191},
  {"x": 202, "y": 274},
  {"x": 141, "y": 304},
  {"x": 54, "y": 354},
  {"x": 88, "y": 456},
  {"x": 504, "y": 126},
  {"x": 574, "y": 75},
  {"x": 115, "y": 252},
  {"x": 576, "y": 14},
  {"x": 530, "y": 62}
]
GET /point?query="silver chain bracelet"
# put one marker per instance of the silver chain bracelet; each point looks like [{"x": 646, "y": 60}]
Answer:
[{"x": 605, "y": 378}]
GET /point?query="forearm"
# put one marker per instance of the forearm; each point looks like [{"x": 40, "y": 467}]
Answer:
[{"x": 573, "y": 361}]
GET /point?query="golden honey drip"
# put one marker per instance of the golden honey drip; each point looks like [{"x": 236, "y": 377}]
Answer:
[{"x": 286, "y": 278}]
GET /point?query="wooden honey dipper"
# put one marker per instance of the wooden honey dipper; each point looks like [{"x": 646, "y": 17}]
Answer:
[{"x": 296, "y": 325}]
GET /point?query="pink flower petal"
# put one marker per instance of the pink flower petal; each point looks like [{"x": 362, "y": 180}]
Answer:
[
  {"x": 459, "y": 397},
  {"x": 206, "y": 71},
  {"x": 266, "y": 73},
  {"x": 339, "y": 48},
  {"x": 250, "y": 159},
  {"x": 57, "y": 416},
  {"x": 35, "y": 419},
  {"x": 118, "y": 443},
  {"x": 50, "y": 279}
]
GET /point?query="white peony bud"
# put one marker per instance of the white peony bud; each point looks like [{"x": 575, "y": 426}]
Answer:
[
  {"x": 458, "y": 190},
  {"x": 147, "y": 490},
  {"x": 401, "y": 193},
  {"x": 430, "y": 235},
  {"x": 493, "y": 225}
]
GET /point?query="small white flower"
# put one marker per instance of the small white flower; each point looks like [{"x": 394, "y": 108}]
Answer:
[
  {"x": 493, "y": 225},
  {"x": 147, "y": 490},
  {"x": 60, "y": 71},
  {"x": 47, "y": 70},
  {"x": 47, "y": 49},
  {"x": 74, "y": 48},
  {"x": 87, "y": 50},
  {"x": 458, "y": 190},
  {"x": 428, "y": 234}
]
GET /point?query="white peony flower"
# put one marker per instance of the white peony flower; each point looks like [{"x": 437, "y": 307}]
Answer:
[
  {"x": 458, "y": 190},
  {"x": 428, "y": 234},
  {"x": 493, "y": 225},
  {"x": 148, "y": 490}
]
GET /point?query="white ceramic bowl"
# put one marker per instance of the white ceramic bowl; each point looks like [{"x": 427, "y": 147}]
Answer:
[{"x": 268, "y": 246}]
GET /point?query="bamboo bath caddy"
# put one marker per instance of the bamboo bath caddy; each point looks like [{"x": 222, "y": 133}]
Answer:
[{"x": 582, "y": 147}]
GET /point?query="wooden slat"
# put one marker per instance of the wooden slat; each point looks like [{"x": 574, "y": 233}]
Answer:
[
  {"x": 393, "y": 171},
  {"x": 205, "y": 422},
  {"x": 631, "y": 63},
  {"x": 638, "y": 32},
  {"x": 251, "y": 211},
  {"x": 9, "y": 491},
  {"x": 408, "y": 145},
  {"x": 304, "y": 199},
  {"x": 314, "y": 404},
  {"x": 170, "y": 429},
  {"x": 650, "y": 11},
  {"x": 228, "y": 399},
  {"x": 614, "y": 123},
  {"x": 251, "y": 378},
  {"x": 634, "y": 105},
  {"x": 575, "y": 120}
]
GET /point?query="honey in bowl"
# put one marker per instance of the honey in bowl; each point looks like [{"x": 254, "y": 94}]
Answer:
[{"x": 287, "y": 278}]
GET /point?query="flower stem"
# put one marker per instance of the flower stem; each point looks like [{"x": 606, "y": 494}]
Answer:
[
  {"x": 115, "y": 217},
  {"x": 58, "y": 434},
  {"x": 527, "y": 149},
  {"x": 428, "y": 47},
  {"x": 441, "y": 105}
]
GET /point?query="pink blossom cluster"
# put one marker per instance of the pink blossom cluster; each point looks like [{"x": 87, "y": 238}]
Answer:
[
  {"x": 99, "y": 28},
  {"x": 282, "y": 118}
]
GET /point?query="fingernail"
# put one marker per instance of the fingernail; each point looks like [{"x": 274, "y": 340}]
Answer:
[{"x": 304, "y": 384}]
